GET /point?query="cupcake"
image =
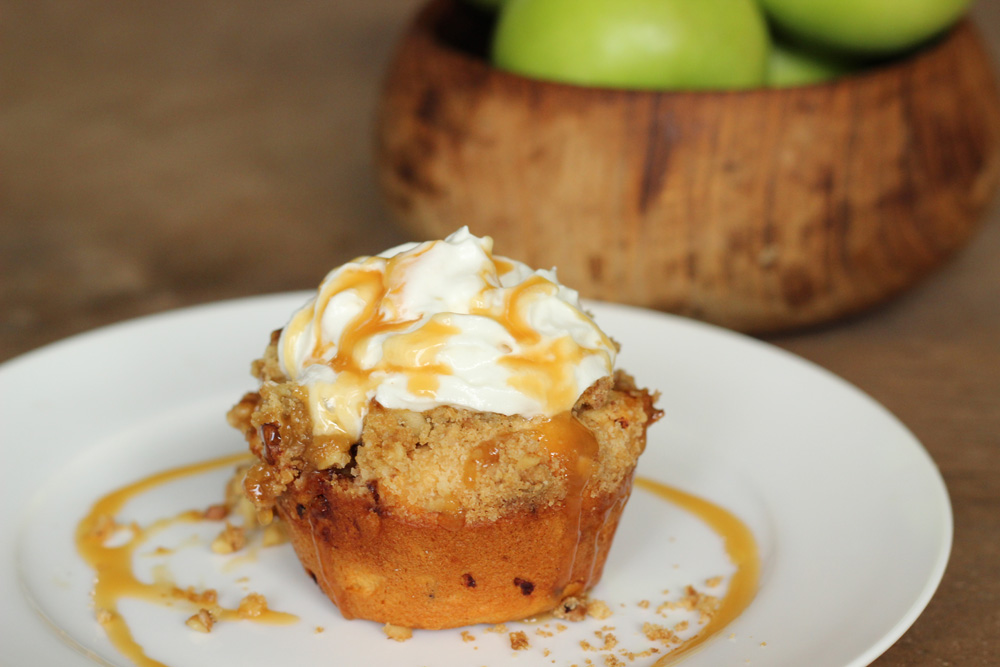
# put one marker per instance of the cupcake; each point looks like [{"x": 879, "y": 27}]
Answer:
[{"x": 445, "y": 436}]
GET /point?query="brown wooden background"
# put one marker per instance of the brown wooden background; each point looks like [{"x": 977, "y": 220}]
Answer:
[{"x": 156, "y": 155}]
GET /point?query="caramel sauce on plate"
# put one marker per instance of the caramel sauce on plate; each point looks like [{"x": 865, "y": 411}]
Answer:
[
  {"x": 741, "y": 547},
  {"x": 109, "y": 549},
  {"x": 98, "y": 540}
]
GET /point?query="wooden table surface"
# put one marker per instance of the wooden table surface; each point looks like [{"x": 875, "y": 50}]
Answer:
[{"x": 157, "y": 155}]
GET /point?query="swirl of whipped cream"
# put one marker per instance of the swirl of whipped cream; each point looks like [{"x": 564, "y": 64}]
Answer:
[{"x": 441, "y": 323}]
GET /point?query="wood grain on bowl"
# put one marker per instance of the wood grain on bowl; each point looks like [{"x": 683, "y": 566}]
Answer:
[{"x": 760, "y": 210}]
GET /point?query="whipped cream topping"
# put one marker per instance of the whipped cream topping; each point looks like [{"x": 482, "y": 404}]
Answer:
[{"x": 440, "y": 323}]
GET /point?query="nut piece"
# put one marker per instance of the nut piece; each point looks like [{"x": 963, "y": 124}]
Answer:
[
  {"x": 252, "y": 606},
  {"x": 571, "y": 609},
  {"x": 202, "y": 621},
  {"x": 519, "y": 641},
  {"x": 232, "y": 538}
]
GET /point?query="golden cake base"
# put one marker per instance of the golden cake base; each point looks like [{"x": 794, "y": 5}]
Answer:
[{"x": 434, "y": 570}]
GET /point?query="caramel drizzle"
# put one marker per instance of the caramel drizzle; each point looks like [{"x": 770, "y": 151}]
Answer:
[
  {"x": 573, "y": 448},
  {"x": 544, "y": 371},
  {"x": 572, "y": 451},
  {"x": 112, "y": 565},
  {"x": 741, "y": 547}
]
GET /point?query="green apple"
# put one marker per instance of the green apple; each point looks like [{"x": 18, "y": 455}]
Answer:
[
  {"x": 872, "y": 28},
  {"x": 792, "y": 65},
  {"x": 650, "y": 44}
]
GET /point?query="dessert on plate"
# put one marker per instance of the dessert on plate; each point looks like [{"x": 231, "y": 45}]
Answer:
[{"x": 445, "y": 435}]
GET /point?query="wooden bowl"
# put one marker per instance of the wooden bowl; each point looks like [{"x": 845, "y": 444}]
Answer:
[{"x": 759, "y": 210}]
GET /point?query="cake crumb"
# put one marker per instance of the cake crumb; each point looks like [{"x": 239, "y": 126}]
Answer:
[
  {"x": 560, "y": 627},
  {"x": 208, "y": 597},
  {"x": 541, "y": 632},
  {"x": 659, "y": 633},
  {"x": 598, "y": 609},
  {"x": 763, "y": 644},
  {"x": 587, "y": 646},
  {"x": 714, "y": 581},
  {"x": 681, "y": 626},
  {"x": 519, "y": 641},
  {"x": 252, "y": 606},
  {"x": 468, "y": 636},
  {"x": 547, "y": 653},
  {"x": 319, "y": 629},
  {"x": 397, "y": 632},
  {"x": 571, "y": 609},
  {"x": 499, "y": 628},
  {"x": 706, "y": 605},
  {"x": 202, "y": 621},
  {"x": 632, "y": 656},
  {"x": 231, "y": 539},
  {"x": 611, "y": 661},
  {"x": 643, "y": 604},
  {"x": 104, "y": 616}
]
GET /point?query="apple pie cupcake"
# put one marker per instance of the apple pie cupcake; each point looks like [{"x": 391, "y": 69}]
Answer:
[{"x": 446, "y": 437}]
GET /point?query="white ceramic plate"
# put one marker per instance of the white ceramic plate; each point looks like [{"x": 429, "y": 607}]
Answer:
[{"x": 851, "y": 516}]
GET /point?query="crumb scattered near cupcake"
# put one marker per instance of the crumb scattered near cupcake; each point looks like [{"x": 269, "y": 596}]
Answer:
[
  {"x": 396, "y": 632},
  {"x": 607, "y": 640},
  {"x": 519, "y": 641},
  {"x": 599, "y": 609},
  {"x": 632, "y": 656},
  {"x": 202, "y": 621},
  {"x": 231, "y": 539},
  {"x": 693, "y": 600},
  {"x": 610, "y": 644},
  {"x": 660, "y": 633},
  {"x": 208, "y": 597},
  {"x": 252, "y": 606},
  {"x": 571, "y": 609}
]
